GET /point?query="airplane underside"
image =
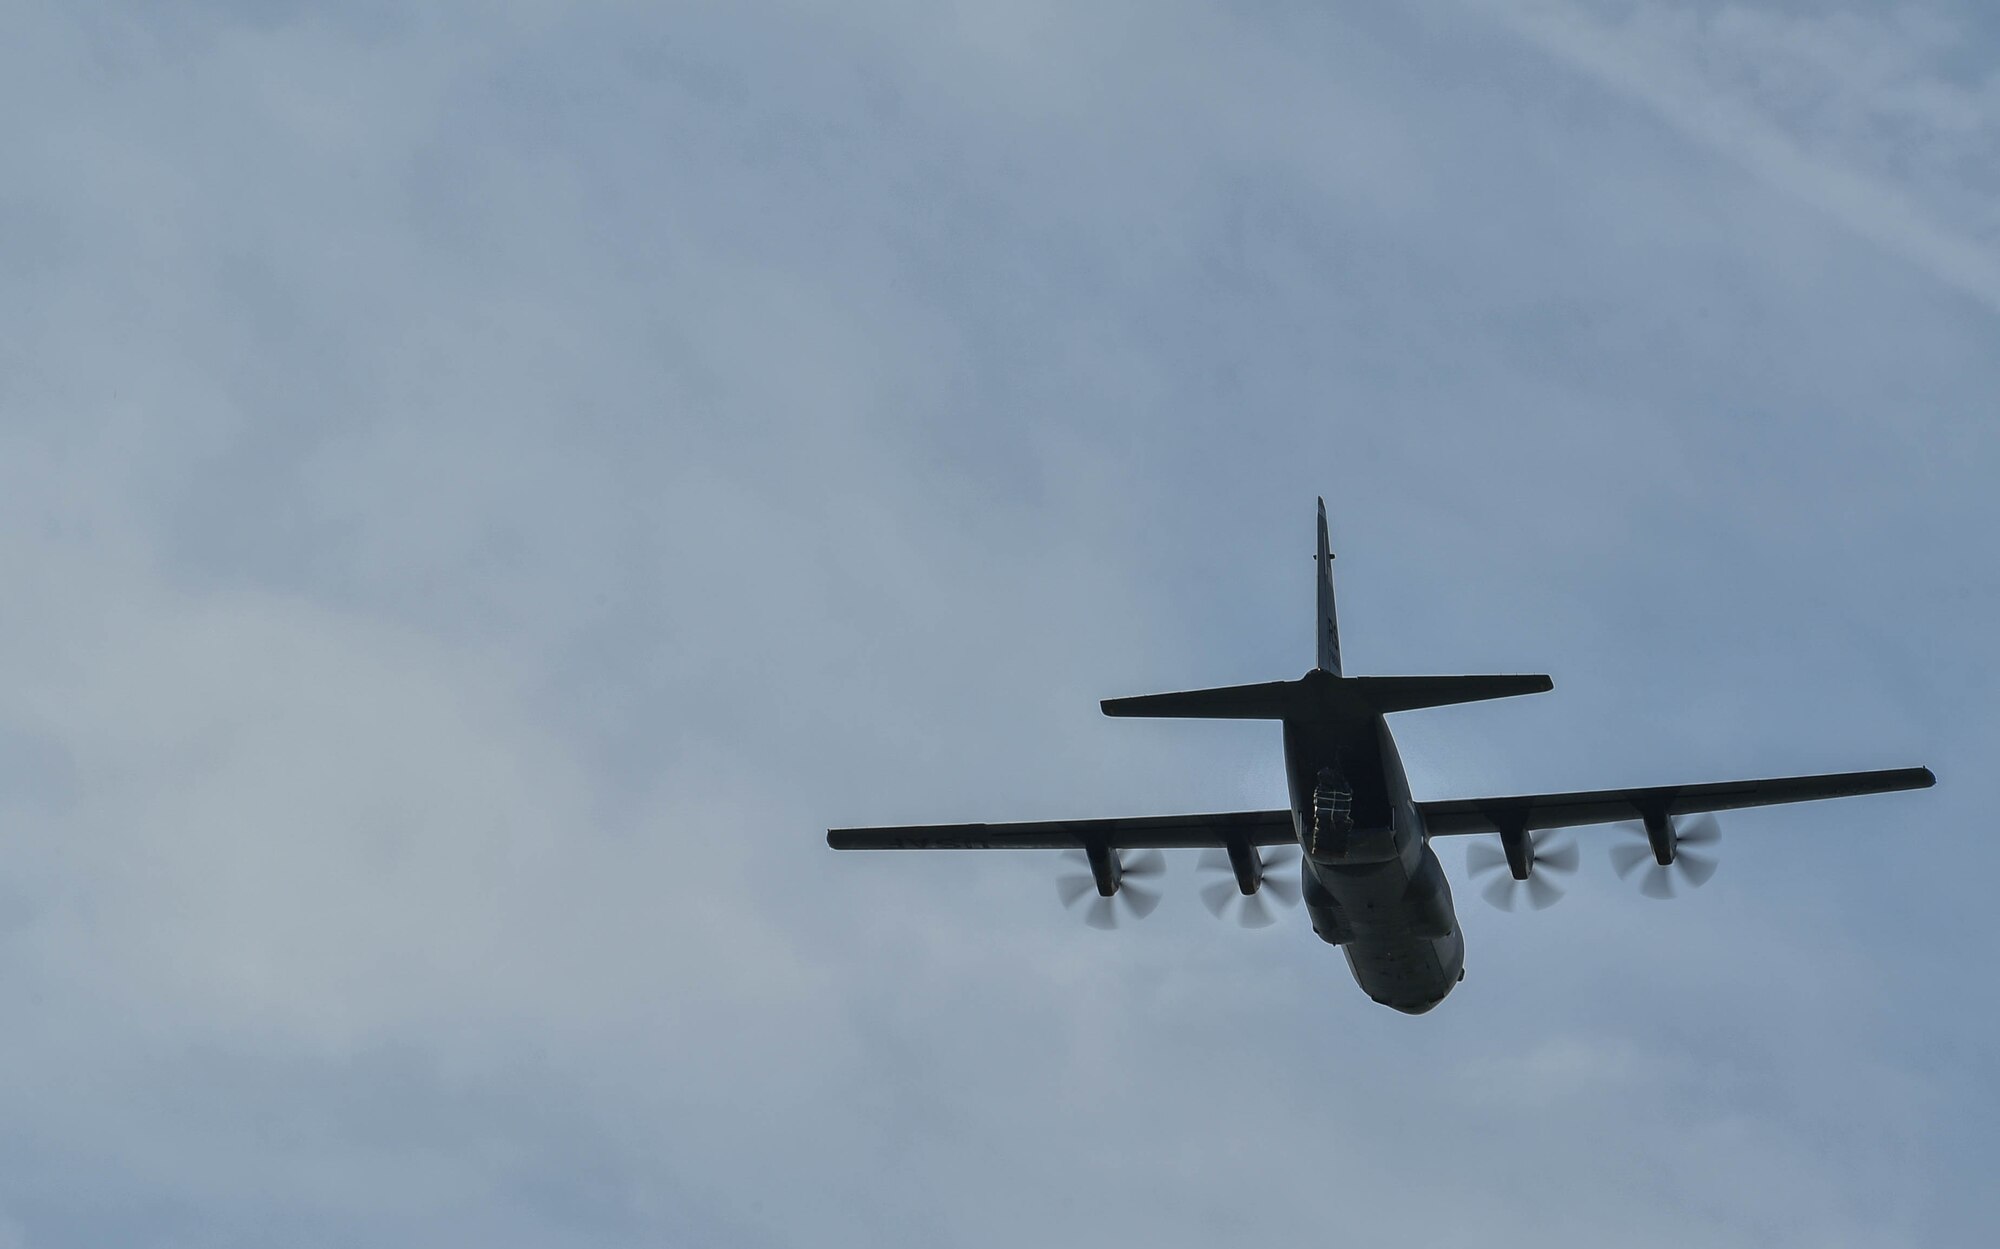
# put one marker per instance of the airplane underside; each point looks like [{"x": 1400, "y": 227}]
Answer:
[
  {"x": 1371, "y": 883},
  {"x": 1396, "y": 927}
]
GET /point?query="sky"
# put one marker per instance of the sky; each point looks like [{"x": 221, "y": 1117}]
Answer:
[{"x": 484, "y": 486}]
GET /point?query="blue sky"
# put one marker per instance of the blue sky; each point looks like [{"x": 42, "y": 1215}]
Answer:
[{"x": 482, "y": 490}]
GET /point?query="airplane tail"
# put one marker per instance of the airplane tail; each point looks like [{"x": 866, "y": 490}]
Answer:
[
  {"x": 1329, "y": 623},
  {"x": 1325, "y": 692}
]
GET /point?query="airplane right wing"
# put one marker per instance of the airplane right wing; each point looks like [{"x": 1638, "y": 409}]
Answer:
[{"x": 1610, "y": 806}]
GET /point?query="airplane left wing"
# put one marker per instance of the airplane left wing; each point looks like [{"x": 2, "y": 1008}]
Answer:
[
  {"x": 1609, "y": 806},
  {"x": 1164, "y": 832}
]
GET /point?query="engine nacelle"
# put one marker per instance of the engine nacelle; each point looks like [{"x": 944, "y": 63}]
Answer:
[
  {"x": 1660, "y": 835},
  {"x": 1105, "y": 869}
]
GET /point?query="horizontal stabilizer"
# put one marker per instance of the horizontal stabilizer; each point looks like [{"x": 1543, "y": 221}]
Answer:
[
  {"x": 1409, "y": 693},
  {"x": 1321, "y": 694},
  {"x": 1273, "y": 700}
]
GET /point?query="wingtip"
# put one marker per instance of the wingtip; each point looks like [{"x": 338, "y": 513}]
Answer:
[{"x": 1929, "y": 778}]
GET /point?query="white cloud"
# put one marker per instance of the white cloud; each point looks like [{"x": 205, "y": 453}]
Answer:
[{"x": 1854, "y": 114}]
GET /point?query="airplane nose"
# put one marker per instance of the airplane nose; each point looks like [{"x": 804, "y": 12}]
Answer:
[{"x": 1412, "y": 1008}]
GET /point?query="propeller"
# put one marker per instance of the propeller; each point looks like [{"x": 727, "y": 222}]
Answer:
[
  {"x": 1224, "y": 896},
  {"x": 1135, "y": 899},
  {"x": 1551, "y": 855},
  {"x": 1693, "y": 860}
]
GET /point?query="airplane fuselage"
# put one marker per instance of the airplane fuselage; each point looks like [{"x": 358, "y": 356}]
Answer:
[{"x": 1373, "y": 887}]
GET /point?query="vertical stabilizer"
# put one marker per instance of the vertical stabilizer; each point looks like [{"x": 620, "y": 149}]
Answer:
[{"x": 1329, "y": 625}]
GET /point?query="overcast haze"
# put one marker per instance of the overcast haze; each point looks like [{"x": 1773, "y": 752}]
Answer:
[{"x": 482, "y": 489}]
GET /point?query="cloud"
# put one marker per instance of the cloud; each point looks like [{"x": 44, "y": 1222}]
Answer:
[
  {"x": 1856, "y": 115},
  {"x": 482, "y": 492}
]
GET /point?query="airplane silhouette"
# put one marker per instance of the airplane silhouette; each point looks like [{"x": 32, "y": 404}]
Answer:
[{"x": 1368, "y": 875}]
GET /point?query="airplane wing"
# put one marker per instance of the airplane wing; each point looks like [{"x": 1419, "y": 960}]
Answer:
[
  {"x": 1462, "y": 815},
  {"x": 1165, "y": 832},
  {"x": 1608, "y": 806}
]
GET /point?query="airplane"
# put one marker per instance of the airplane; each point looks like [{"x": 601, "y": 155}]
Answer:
[{"x": 1368, "y": 875}]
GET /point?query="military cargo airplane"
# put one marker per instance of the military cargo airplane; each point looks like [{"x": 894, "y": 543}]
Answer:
[{"x": 1368, "y": 875}]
